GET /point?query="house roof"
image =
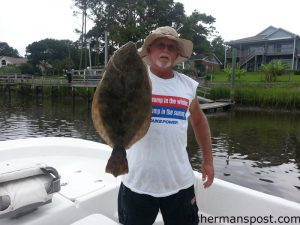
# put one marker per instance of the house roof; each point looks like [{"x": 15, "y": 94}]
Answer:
[
  {"x": 202, "y": 57},
  {"x": 13, "y": 60},
  {"x": 268, "y": 34}
]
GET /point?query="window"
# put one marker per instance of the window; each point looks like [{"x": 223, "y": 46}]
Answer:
[
  {"x": 287, "y": 47},
  {"x": 3, "y": 62},
  {"x": 271, "y": 48},
  {"x": 284, "y": 47}
]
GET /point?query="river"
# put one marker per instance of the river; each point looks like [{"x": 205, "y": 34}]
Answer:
[{"x": 259, "y": 150}]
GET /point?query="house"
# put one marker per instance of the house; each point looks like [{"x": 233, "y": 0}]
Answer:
[
  {"x": 270, "y": 44},
  {"x": 205, "y": 63},
  {"x": 6, "y": 60}
]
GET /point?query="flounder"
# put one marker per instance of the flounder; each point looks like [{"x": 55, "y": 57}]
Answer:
[{"x": 121, "y": 107}]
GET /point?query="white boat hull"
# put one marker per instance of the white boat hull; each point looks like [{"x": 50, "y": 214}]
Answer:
[{"x": 88, "y": 192}]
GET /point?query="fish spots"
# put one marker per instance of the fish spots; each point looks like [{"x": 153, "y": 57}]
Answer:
[
  {"x": 121, "y": 108},
  {"x": 266, "y": 180},
  {"x": 297, "y": 187}
]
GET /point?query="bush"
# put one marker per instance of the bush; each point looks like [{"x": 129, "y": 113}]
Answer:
[
  {"x": 261, "y": 95},
  {"x": 297, "y": 72},
  {"x": 28, "y": 68},
  {"x": 10, "y": 69},
  {"x": 219, "y": 92},
  {"x": 190, "y": 72}
]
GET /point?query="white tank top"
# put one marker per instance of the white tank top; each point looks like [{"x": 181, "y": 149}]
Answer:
[{"x": 159, "y": 163}]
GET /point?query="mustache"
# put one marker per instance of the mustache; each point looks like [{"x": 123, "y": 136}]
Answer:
[{"x": 164, "y": 55}]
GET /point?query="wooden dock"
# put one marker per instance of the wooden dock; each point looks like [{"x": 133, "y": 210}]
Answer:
[
  {"x": 78, "y": 79},
  {"x": 216, "y": 107},
  {"x": 11, "y": 82},
  {"x": 36, "y": 85},
  {"x": 209, "y": 105}
]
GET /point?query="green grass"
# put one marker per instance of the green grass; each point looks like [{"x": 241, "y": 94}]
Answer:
[
  {"x": 284, "y": 96},
  {"x": 253, "y": 90},
  {"x": 220, "y": 76}
]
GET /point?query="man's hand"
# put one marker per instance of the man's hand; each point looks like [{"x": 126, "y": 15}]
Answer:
[{"x": 208, "y": 174}]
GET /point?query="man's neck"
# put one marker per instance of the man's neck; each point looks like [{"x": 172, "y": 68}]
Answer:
[{"x": 163, "y": 73}]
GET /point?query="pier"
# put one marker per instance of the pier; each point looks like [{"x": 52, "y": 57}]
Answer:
[
  {"x": 212, "y": 106},
  {"x": 216, "y": 107},
  {"x": 81, "y": 85},
  {"x": 11, "y": 83}
]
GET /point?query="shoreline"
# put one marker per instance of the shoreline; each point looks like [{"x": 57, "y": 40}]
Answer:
[{"x": 264, "y": 109}]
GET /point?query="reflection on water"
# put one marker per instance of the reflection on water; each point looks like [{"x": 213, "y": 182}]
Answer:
[
  {"x": 21, "y": 118},
  {"x": 259, "y": 150}
]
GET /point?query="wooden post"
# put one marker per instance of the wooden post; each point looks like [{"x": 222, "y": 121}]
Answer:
[
  {"x": 88, "y": 94},
  {"x": 255, "y": 63},
  {"x": 73, "y": 93},
  {"x": 225, "y": 60},
  {"x": 9, "y": 93},
  {"x": 105, "y": 47},
  {"x": 293, "y": 59},
  {"x": 233, "y": 74}
]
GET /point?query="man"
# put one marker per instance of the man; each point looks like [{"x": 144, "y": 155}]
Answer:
[{"x": 160, "y": 175}]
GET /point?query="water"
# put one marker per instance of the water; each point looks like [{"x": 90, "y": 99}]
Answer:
[{"x": 259, "y": 150}]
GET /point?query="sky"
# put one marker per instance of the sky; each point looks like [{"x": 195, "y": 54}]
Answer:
[{"x": 24, "y": 22}]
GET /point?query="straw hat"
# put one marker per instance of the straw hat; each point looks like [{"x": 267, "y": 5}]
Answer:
[{"x": 185, "y": 46}]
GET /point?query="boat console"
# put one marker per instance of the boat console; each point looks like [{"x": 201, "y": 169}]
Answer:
[{"x": 24, "y": 189}]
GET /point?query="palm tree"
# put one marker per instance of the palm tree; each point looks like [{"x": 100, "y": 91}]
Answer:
[
  {"x": 238, "y": 71},
  {"x": 273, "y": 69}
]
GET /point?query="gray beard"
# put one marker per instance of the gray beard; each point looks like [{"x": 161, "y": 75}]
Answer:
[{"x": 163, "y": 65}]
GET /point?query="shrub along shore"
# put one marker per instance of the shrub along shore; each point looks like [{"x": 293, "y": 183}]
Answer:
[{"x": 252, "y": 91}]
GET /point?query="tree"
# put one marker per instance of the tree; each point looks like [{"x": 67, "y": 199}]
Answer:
[
  {"x": 83, "y": 6},
  {"x": 218, "y": 48},
  {"x": 6, "y": 50},
  {"x": 128, "y": 20},
  {"x": 197, "y": 28},
  {"x": 239, "y": 72},
  {"x": 53, "y": 53}
]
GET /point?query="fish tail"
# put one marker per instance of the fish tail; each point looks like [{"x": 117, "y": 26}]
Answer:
[{"x": 117, "y": 163}]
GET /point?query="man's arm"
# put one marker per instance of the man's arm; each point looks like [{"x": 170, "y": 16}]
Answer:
[{"x": 202, "y": 133}]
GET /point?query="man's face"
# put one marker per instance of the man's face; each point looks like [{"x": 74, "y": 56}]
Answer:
[{"x": 163, "y": 52}]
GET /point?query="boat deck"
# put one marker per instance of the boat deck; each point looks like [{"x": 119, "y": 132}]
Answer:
[
  {"x": 87, "y": 190},
  {"x": 84, "y": 184}
]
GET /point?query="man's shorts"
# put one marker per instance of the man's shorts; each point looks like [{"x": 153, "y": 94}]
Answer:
[{"x": 142, "y": 209}]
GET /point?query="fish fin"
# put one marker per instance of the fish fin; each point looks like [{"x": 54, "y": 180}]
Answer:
[{"x": 117, "y": 163}]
